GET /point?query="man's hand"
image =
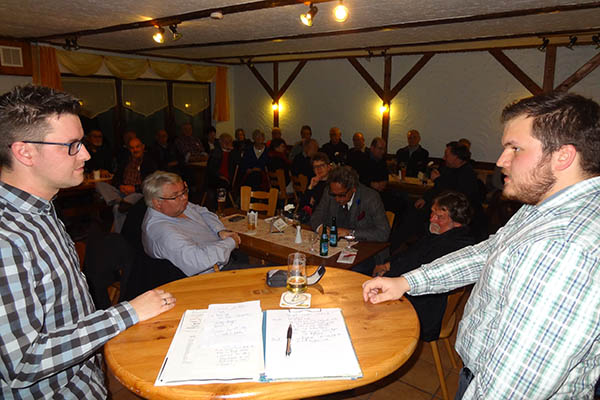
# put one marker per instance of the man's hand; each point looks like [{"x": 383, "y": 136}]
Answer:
[
  {"x": 381, "y": 269},
  {"x": 434, "y": 174},
  {"x": 225, "y": 234},
  {"x": 127, "y": 189},
  {"x": 313, "y": 182},
  {"x": 419, "y": 203},
  {"x": 342, "y": 232},
  {"x": 152, "y": 303},
  {"x": 382, "y": 289}
]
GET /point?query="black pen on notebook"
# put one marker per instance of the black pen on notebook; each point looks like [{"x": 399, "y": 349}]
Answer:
[{"x": 288, "y": 347}]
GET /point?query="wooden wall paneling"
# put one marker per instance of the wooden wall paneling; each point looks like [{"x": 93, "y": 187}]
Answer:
[
  {"x": 580, "y": 73},
  {"x": 515, "y": 71},
  {"x": 26, "y": 70}
]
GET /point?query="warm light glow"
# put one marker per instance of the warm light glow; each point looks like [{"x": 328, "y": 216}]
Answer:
[
  {"x": 128, "y": 103},
  {"x": 306, "y": 19},
  {"x": 340, "y": 12},
  {"x": 384, "y": 108},
  {"x": 159, "y": 36},
  {"x": 275, "y": 106},
  {"x": 187, "y": 105}
]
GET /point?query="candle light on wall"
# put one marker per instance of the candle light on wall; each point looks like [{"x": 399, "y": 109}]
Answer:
[
  {"x": 275, "y": 106},
  {"x": 384, "y": 108}
]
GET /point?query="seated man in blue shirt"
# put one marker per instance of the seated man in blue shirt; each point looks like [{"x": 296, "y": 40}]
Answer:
[{"x": 190, "y": 236}]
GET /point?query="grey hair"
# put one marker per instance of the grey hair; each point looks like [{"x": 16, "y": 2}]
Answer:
[
  {"x": 256, "y": 133},
  {"x": 153, "y": 184},
  {"x": 345, "y": 176}
]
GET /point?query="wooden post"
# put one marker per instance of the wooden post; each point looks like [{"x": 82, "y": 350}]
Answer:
[
  {"x": 276, "y": 93},
  {"x": 387, "y": 98}
]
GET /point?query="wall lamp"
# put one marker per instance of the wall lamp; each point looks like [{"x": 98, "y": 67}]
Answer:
[
  {"x": 385, "y": 107},
  {"x": 340, "y": 12},
  {"x": 572, "y": 41},
  {"x": 275, "y": 106},
  {"x": 159, "y": 35},
  {"x": 307, "y": 18},
  {"x": 596, "y": 40},
  {"x": 545, "y": 42},
  {"x": 176, "y": 35}
]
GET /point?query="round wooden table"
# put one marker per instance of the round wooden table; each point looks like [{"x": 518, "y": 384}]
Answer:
[{"x": 384, "y": 335}]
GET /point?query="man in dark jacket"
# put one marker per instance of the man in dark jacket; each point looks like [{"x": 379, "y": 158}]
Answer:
[
  {"x": 335, "y": 149},
  {"x": 412, "y": 157}
]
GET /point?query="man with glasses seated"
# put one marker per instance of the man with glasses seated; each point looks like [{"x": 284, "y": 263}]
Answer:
[
  {"x": 357, "y": 208},
  {"x": 188, "y": 235},
  {"x": 314, "y": 191}
]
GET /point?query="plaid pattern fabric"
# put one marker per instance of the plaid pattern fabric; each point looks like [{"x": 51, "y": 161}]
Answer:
[
  {"x": 531, "y": 327},
  {"x": 189, "y": 144},
  {"x": 50, "y": 332},
  {"x": 132, "y": 174}
]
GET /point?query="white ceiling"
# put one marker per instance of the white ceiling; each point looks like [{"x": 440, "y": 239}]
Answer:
[{"x": 399, "y": 26}]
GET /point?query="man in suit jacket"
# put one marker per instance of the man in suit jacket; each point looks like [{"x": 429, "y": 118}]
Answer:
[
  {"x": 356, "y": 207},
  {"x": 413, "y": 156}
]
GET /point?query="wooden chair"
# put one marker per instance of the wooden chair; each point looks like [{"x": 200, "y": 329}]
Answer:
[
  {"x": 390, "y": 217},
  {"x": 277, "y": 180},
  {"x": 300, "y": 184},
  {"x": 448, "y": 324},
  {"x": 247, "y": 203}
]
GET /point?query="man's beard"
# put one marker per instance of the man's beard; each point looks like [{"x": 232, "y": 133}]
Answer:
[
  {"x": 533, "y": 186},
  {"x": 434, "y": 228}
]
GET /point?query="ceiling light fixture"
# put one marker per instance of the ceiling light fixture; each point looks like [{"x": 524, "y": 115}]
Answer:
[
  {"x": 176, "y": 35},
  {"x": 307, "y": 19},
  {"x": 159, "y": 36},
  {"x": 545, "y": 42},
  {"x": 216, "y": 15},
  {"x": 596, "y": 40},
  {"x": 71, "y": 44},
  {"x": 572, "y": 41},
  {"x": 340, "y": 12}
]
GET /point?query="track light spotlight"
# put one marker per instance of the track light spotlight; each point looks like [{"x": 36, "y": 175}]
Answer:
[
  {"x": 545, "y": 42},
  {"x": 596, "y": 40},
  {"x": 159, "y": 36},
  {"x": 176, "y": 35},
  {"x": 307, "y": 19},
  {"x": 340, "y": 12},
  {"x": 71, "y": 44},
  {"x": 572, "y": 41}
]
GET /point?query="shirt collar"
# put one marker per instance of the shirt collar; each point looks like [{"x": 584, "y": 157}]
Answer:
[
  {"x": 349, "y": 204},
  {"x": 24, "y": 200},
  {"x": 571, "y": 193}
]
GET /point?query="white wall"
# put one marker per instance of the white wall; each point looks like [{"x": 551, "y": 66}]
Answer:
[
  {"x": 455, "y": 95},
  {"x": 7, "y": 82}
]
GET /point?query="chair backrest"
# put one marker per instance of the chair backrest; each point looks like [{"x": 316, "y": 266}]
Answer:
[
  {"x": 390, "y": 217},
  {"x": 247, "y": 204},
  {"x": 449, "y": 320},
  {"x": 300, "y": 183},
  {"x": 277, "y": 180}
]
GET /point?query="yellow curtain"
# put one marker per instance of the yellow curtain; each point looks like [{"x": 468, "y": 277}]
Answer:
[
  {"x": 82, "y": 64},
  {"x": 168, "y": 70},
  {"x": 203, "y": 73},
  {"x": 45, "y": 67},
  {"x": 221, "y": 112},
  {"x": 126, "y": 68}
]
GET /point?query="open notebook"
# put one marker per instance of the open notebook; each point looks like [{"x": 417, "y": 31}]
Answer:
[{"x": 239, "y": 343}]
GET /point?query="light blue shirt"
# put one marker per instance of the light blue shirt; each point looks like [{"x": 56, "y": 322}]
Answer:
[{"x": 192, "y": 244}]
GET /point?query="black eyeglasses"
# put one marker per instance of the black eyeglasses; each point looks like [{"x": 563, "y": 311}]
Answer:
[
  {"x": 339, "y": 195},
  {"x": 74, "y": 147},
  {"x": 177, "y": 196}
]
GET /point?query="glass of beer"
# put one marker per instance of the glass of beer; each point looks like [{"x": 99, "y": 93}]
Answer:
[
  {"x": 221, "y": 198},
  {"x": 252, "y": 220},
  {"x": 296, "y": 275}
]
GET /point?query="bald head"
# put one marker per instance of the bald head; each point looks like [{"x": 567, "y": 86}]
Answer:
[{"x": 358, "y": 140}]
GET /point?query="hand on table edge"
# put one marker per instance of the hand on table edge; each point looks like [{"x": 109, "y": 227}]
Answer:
[
  {"x": 381, "y": 289},
  {"x": 152, "y": 303}
]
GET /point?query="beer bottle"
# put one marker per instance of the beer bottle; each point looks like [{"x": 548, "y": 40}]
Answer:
[
  {"x": 324, "y": 247},
  {"x": 333, "y": 233}
]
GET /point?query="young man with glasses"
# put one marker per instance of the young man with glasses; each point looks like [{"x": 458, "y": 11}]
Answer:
[
  {"x": 188, "y": 235},
  {"x": 50, "y": 332}
]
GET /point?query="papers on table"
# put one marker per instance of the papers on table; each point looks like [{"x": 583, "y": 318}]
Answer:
[{"x": 225, "y": 344}]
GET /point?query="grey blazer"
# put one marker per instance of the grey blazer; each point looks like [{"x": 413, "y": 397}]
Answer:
[{"x": 366, "y": 215}]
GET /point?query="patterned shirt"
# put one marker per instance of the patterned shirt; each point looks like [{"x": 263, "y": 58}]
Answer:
[
  {"x": 50, "y": 332},
  {"x": 531, "y": 328},
  {"x": 131, "y": 174}
]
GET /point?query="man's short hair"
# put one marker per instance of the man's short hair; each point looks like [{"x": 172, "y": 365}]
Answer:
[
  {"x": 345, "y": 176},
  {"x": 275, "y": 143},
  {"x": 225, "y": 136},
  {"x": 376, "y": 141},
  {"x": 308, "y": 143},
  {"x": 459, "y": 150},
  {"x": 320, "y": 156},
  {"x": 24, "y": 113},
  {"x": 561, "y": 118},
  {"x": 307, "y": 128},
  {"x": 457, "y": 205},
  {"x": 153, "y": 184},
  {"x": 257, "y": 133}
]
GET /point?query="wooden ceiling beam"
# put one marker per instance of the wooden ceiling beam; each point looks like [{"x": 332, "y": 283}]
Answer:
[
  {"x": 549, "y": 68},
  {"x": 581, "y": 73},
  {"x": 291, "y": 78},
  {"x": 411, "y": 74},
  {"x": 367, "y": 77},
  {"x": 515, "y": 71},
  {"x": 262, "y": 80}
]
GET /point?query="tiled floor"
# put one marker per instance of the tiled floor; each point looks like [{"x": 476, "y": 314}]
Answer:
[{"x": 417, "y": 379}]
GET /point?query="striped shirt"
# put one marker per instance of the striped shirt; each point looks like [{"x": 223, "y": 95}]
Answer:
[
  {"x": 531, "y": 328},
  {"x": 50, "y": 333}
]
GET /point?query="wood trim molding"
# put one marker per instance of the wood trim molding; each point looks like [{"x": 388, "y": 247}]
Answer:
[
  {"x": 367, "y": 77},
  {"x": 581, "y": 73},
  {"x": 411, "y": 74},
  {"x": 291, "y": 78},
  {"x": 262, "y": 80},
  {"x": 515, "y": 71}
]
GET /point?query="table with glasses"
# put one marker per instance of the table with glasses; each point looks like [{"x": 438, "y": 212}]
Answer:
[{"x": 383, "y": 335}]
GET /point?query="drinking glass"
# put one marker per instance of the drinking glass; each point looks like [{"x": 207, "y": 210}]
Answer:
[
  {"x": 221, "y": 198},
  {"x": 296, "y": 275}
]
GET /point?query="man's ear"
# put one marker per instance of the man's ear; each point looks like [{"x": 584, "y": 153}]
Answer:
[
  {"x": 564, "y": 157},
  {"x": 156, "y": 204},
  {"x": 23, "y": 153}
]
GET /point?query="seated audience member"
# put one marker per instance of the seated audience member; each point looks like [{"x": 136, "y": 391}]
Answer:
[
  {"x": 413, "y": 157},
  {"x": 318, "y": 183},
  {"x": 357, "y": 155},
  {"x": 127, "y": 182},
  {"x": 100, "y": 153},
  {"x": 190, "y": 236},
  {"x": 241, "y": 143},
  {"x": 302, "y": 164},
  {"x": 254, "y": 163},
  {"x": 278, "y": 159},
  {"x": 210, "y": 140},
  {"x": 356, "y": 207},
  {"x": 163, "y": 152},
  {"x": 275, "y": 134},
  {"x": 221, "y": 167},
  {"x": 374, "y": 172},
  {"x": 448, "y": 232},
  {"x": 123, "y": 152},
  {"x": 189, "y": 147},
  {"x": 305, "y": 135},
  {"x": 335, "y": 149},
  {"x": 465, "y": 142}
]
